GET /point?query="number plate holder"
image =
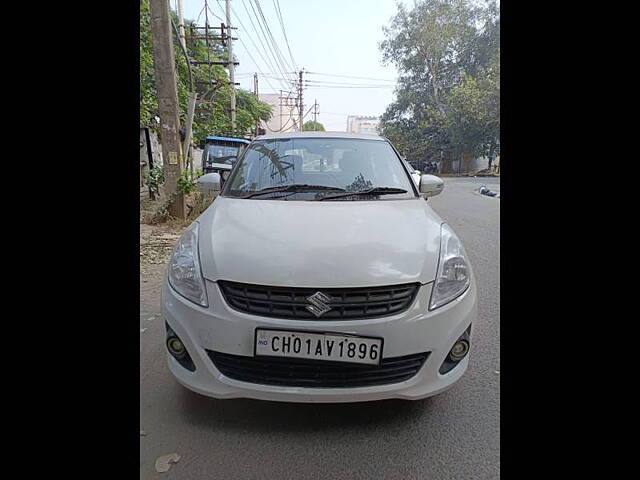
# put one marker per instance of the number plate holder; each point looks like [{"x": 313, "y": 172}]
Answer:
[{"x": 322, "y": 346}]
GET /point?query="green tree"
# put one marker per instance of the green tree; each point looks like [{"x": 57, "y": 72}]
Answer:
[
  {"x": 148, "y": 97},
  {"x": 447, "y": 53},
  {"x": 473, "y": 114},
  {"x": 211, "y": 82},
  {"x": 312, "y": 126}
]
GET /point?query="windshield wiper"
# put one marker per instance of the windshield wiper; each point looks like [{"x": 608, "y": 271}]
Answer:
[
  {"x": 295, "y": 187},
  {"x": 370, "y": 191}
]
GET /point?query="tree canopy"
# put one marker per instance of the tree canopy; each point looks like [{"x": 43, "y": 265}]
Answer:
[
  {"x": 312, "y": 126},
  {"x": 447, "y": 102},
  {"x": 211, "y": 82}
]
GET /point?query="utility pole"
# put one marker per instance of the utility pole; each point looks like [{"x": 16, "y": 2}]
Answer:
[
  {"x": 181, "y": 24},
  {"x": 186, "y": 147},
  {"x": 300, "y": 104},
  {"x": 280, "y": 97},
  {"x": 187, "y": 138},
  {"x": 231, "y": 68},
  {"x": 255, "y": 90},
  {"x": 291, "y": 105},
  {"x": 315, "y": 113},
  {"x": 166, "y": 86}
]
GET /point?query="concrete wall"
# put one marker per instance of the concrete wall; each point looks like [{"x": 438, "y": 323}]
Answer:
[
  {"x": 482, "y": 163},
  {"x": 156, "y": 149},
  {"x": 363, "y": 124},
  {"x": 281, "y": 116}
]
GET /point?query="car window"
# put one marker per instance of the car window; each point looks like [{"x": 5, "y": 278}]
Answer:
[
  {"x": 220, "y": 154},
  {"x": 344, "y": 163}
]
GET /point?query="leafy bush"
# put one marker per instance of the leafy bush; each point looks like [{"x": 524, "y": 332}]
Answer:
[
  {"x": 187, "y": 183},
  {"x": 154, "y": 178}
]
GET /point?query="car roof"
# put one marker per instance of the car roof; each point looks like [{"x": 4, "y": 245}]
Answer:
[
  {"x": 228, "y": 139},
  {"x": 358, "y": 136}
]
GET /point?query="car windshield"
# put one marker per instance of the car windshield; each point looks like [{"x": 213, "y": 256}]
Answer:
[
  {"x": 317, "y": 166},
  {"x": 221, "y": 154}
]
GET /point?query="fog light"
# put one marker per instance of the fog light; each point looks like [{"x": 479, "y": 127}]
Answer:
[
  {"x": 459, "y": 350},
  {"x": 178, "y": 350},
  {"x": 176, "y": 347}
]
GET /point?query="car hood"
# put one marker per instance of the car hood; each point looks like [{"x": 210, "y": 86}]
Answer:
[{"x": 319, "y": 244}]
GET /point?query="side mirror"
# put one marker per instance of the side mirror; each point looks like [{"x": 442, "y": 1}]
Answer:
[
  {"x": 209, "y": 183},
  {"x": 430, "y": 186}
]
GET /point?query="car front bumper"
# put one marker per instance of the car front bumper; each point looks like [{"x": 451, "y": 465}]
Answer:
[{"x": 222, "y": 329}]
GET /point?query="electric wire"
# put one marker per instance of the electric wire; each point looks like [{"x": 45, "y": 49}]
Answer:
[
  {"x": 270, "y": 48},
  {"x": 199, "y": 15},
  {"x": 245, "y": 30},
  {"x": 273, "y": 40},
  {"x": 351, "y": 76},
  {"x": 186, "y": 55},
  {"x": 282, "y": 61},
  {"x": 256, "y": 63},
  {"x": 322, "y": 82},
  {"x": 284, "y": 32},
  {"x": 360, "y": 86},
  {"x": 286, "y": 125}
]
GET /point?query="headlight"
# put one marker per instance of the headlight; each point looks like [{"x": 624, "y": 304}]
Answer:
[
  {"x": 185, "y": 275},
  {"x": 453, "y": 275}
]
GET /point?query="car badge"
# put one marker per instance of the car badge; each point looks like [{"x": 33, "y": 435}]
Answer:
[{"x": 319, "y": 303}]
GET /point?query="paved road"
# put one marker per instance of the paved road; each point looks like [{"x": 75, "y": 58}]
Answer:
[{"x": 451, "y": 436}]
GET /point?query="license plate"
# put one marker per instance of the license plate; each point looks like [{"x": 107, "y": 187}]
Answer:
[{"x": 333, "y": 347}]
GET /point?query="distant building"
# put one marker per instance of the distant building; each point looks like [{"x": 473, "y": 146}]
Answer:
[
  {"x": 284, "y": 113},
  {"x": 362, "y": 124}
]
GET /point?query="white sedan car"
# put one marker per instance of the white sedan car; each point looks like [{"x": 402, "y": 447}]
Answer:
[{"x": 319, "y": 274}]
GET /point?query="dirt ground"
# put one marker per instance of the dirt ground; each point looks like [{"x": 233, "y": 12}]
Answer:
[
  {"x": 157, "y": 241},
  {"x": 156, "y": 244}
]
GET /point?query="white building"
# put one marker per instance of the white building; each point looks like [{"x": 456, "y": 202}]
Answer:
[
  {"x": 284, "y": 113},
  {"x": 363, "y": 124}
]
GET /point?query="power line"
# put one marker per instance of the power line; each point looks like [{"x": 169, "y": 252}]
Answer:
[
  {"x": 266, "y": 73},
  {"x": 343, "y": 87},
  {"x": 256, "y": 64},
  {"x": 283, "y": 61},
  {"x": 270, "y": 48},
  {"x": 199, "y": 15},
  {"x": 335, "y": 113},
  {"x": 328, "y": 83},
  {"x": 284, "y": 31},
  {"x": 286, "y": 125},
  {"x": 276, "y": 77},
  {"x": 266, "y": 62},
  {"x": 211, "y": 12},
  {"x": 246, "y": 31},
  {"x": 351, "y": 76},
  {"x": 347, "y": 86}
]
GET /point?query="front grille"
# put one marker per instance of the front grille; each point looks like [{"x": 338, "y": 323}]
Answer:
[
  {"x": 296, "y": 372},
  {"x": 346, "y": 303}
]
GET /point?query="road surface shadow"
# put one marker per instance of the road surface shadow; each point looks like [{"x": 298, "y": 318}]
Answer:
[{"x": 259, "y": 415}]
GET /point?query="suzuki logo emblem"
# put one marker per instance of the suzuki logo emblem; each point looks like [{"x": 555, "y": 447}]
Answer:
[{"x": 319, "y": 303}]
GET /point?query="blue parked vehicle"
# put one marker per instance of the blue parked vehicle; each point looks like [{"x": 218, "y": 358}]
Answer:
[{"x": 220, "y": 153}]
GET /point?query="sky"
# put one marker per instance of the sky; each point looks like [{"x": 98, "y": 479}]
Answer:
[{"x": 336, "y": 37}]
